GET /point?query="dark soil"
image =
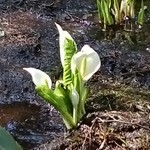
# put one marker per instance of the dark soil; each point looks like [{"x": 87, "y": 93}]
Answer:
[
  {"x": 30, "y": 124},
  {"x": 119, "y": 103},
  {"x": 109, "y": 130}
]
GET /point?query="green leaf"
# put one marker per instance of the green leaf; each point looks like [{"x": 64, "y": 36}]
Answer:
[
  {"x": 141, "y": 14},
  {"x": 105, "y": 8},
  {"x": 85, "y": 92},
  {"x": 63, "y": 94},
  {"x": 104, "y": 13},
  {"x": 116, "y": 11},
  {"x": 132, "y": 13},
  {"x": 7, "y": 142},
  {"x": 109, "y": 3},
  {"x": 99, "y": 10},
  {"x": 107, "y": 12},
  {"x": 58, "y": 103},
  {"x": 70, "y": 48},
  {"x": 48, "y": 95}
]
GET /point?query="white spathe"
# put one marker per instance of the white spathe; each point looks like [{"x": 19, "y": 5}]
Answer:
[
  {"x": 87, "y": 62},
  {"x": 62, "y": 36},
  {"x": 39, "y": 77},
  {"x": 74, "y": 96}
]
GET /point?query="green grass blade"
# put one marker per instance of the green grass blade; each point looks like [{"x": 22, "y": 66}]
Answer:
[
  {"x": 99, "y": 10},
  {"x": 141, "y": 14}
]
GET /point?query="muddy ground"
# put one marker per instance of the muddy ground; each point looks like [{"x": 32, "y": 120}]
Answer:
[{"x": 119, "y": 103}]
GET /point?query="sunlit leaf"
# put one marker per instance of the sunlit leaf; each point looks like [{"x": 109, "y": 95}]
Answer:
[{"x": 67, "y": 49}]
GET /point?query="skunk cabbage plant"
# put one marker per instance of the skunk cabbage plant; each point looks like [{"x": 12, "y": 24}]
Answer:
[
  {"x": 111, "y": 12},
  {"x": 70, "y": 93}
]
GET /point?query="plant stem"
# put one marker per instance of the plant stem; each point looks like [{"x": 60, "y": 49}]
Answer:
[{"x": 75, "y": 115}]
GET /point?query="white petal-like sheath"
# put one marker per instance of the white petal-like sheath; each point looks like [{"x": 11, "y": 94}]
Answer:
[
  {"x": 92, "y": 62},
  {"x": 74, "y": 96},
  {"x": 62, "y": 36},
  {"x": 39, "y": 77},
  {"x": 61, "y": 42}
]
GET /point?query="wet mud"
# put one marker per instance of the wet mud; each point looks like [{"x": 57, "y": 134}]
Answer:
[{"x": 31, "y": 40}]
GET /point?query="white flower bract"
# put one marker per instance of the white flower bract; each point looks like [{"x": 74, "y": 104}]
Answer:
[
  {"x": 87, "y": 62},
  {"x": 39, "y": 77},
  {"x": 63, "y": 35}
]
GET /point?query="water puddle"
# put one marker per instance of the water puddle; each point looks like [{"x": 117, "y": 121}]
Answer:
[
  {"x": 30, "y": 124},
  {"x": 31, "y": 40}
]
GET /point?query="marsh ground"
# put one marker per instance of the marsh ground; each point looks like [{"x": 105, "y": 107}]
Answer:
[{"x": 118, "y": 107}]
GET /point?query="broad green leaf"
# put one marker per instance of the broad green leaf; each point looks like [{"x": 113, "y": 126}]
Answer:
[
  {"x": 48, "y": 95},
  {"x": 7, "y": 142},
  {"x": 64, "y": 96},
  {"x": 58, "y": 104},
  {"x": 70, "y": 49},
  {"x": 67, "y": 49}
]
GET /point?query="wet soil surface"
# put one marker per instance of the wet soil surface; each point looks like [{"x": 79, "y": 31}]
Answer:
[
  {"x": 109, "y": 130},
  {"x": 30, "y": 124},
  {"x": 122, "y": 84}
]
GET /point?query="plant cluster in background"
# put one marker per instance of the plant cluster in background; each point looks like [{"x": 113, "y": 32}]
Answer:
[
  {"x": 70, "y": 93},
  {"x": 112, "y": 12}
]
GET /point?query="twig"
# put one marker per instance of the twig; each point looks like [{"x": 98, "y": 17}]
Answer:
[{"x": 125, "y": 122}]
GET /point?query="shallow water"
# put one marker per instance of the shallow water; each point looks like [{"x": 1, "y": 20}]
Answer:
[{"x": 30, "y": 124}]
